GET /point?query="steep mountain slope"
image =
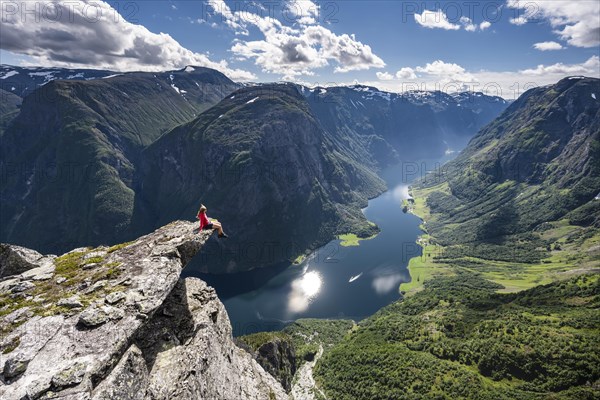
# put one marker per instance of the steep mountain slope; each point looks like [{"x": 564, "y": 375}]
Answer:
[
  {"x": 538, "y": 162},
  {"x": 264, "y": 166},
  {"x": 76, "y": 145},
  {"x": 68, "y": 157},
  {"x": 516, "y": 210},
  {"x": 386, "y": 126},
  {"x": 120, "y": 323},
  {"x": 9, "y": 108}
]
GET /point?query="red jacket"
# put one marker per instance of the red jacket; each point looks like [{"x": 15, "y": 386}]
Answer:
[{"x": 203, "y": 219}]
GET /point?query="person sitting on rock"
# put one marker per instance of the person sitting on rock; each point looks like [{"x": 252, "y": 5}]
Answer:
[{"x": 206, "y": 223}]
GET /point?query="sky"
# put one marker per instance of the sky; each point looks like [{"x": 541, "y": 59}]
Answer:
[{"x": 501, "y": 47}]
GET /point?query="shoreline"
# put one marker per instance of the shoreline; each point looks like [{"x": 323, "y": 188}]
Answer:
[{"x": 421, "y": 268}]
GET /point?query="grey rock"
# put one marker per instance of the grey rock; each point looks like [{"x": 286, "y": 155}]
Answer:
[
  {"x": 89, "y": 266},
  {"x": 114, "y": 297},
  {"x": 96, "y": 315},
  {"x": 278, "y": 357},
  {"x": 18, "y": 315},
  {"x": 193, "y": 356},
  {"x": 15, "y": 260},
  {"x": 94, "y": 254},
  {"x": 96, "y": 286},
  {"x": 70, "y": 302},
  {"x": 14, "y": 367},
  {"x": 69, "y": 376},
  {"x": 22, "y": 287},
  {"x": 107, "y": 352},
  {"x": 127, "y": 381},
  {"x": 43, "y": 277},
  {"x": 60, "y": 279},
  {"x": 37, "y": 388}
]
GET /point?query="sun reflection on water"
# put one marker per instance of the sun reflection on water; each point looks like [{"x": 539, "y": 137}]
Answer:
[{"x": 304, "y": 289}]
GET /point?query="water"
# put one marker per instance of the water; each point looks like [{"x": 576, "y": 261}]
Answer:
[{"x": 335, "y": 281}]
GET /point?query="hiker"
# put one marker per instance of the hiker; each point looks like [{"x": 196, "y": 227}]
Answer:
[{"x": 206, "y": 223}]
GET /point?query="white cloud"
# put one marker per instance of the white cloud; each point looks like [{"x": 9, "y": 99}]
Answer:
[
  {"x": 518, "y": 21},
  {"x": 547, "y": 46},
  {"x": 576, "y": 22},
  {"x": 384, "y": 76},
  {"x": 295, "y": 51},
  {"x": 406, "y": 73},
  {"x": 590, "y": 68},
  {"x": 507, "y": 84},
  {"x": 438, "y": 19},
  {"x": 173, "y": 6},
  {"x": 303, "y": 12},
  {"x": 447, "y": 72},
  {"x": 92, "y": 34},
  {"x": 435, "y": 19},
  {"x": 228, "y": 17},
  {"x": 468, "y": 24}
]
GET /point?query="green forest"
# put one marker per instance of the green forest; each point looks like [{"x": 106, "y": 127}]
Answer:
[{"x": 459, "y": 339}]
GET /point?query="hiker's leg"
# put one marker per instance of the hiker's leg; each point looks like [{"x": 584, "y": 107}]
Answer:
[{"x": 218, "y": 227}]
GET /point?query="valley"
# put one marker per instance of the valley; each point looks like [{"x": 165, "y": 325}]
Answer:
[
  {"x": 299, "y": 200},
  {"x": 195, "y": 136},
  {"x": 357, "y": 262}
]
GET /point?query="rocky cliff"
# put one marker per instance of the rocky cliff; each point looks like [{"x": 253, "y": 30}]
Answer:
[{"x": 119, "y": 323}]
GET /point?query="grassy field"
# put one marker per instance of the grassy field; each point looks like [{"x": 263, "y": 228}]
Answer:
[
  {"x": 578, "y": 252},
  {"x": 350, "y": 239},
  {"x": 424, "y": 268}
]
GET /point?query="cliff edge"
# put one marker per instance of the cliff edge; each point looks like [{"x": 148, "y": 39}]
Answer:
[{"x": 119, "y": 323}]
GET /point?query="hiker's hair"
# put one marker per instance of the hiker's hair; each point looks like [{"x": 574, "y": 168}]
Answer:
[{"x": 202, "y": 208}]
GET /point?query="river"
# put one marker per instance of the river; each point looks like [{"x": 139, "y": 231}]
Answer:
[{"x": 334, "y": 281}]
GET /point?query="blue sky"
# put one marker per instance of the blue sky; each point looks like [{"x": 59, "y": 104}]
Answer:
[{"x": 394, "y": 45}]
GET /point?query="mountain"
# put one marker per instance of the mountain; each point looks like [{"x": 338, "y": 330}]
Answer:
[
  {"x": 9, "y": 108},
  {"x": 21, "y": 81},
  {"x": 68, "y": 158},
  {"x": 99, "y": 161},
  {"x": 504, "y": 299},
  {"x": 538, "y": 162},
  {"x": 265, "y": 167},
  {"x": 120, "y": 323},
  {"x": 414, "y": 124}
]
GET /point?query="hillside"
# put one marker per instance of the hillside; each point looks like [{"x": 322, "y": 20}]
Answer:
[
  {"x": 9, "y": 108},
  {"x": 270, "y": 173},
  {"x": 69, "y": 156},
  {"x": 85, "y": 141},
  {"x": 459, "y": 339},
  {"x": 521, "y": 196},
  {"x": 504, "y": 301},
  {"x": 386, "y": 127}
]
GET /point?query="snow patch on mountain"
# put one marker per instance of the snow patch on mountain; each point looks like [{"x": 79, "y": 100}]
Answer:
[{"x": 9, "y": 74}]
